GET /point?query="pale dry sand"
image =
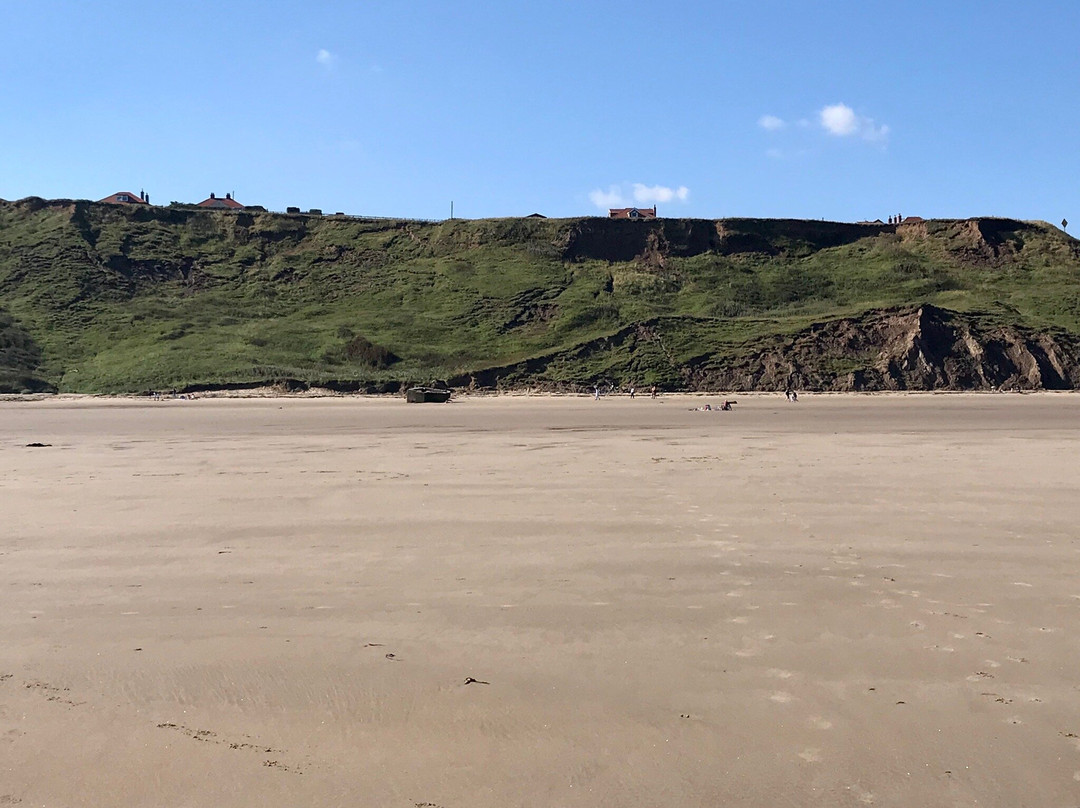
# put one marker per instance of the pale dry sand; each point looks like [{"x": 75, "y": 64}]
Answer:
[{"x": 845, "y": 601}]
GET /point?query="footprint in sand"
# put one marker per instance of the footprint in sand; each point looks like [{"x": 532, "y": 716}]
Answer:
[
  {"x": 777, "y": 673},
  {"x": 817, "y": 722},
  {"x": 780, "y": 697},
  {"x": 811, "y": 755}
]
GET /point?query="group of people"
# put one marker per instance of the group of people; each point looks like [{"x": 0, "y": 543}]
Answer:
[
  {"x": 631, "y": 390},
  {"x": 726, "y": 407},
  {"x": 789, "y": 394}
]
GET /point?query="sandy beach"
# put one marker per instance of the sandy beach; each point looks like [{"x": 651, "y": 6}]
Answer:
[{"x": 541, "y": 601}]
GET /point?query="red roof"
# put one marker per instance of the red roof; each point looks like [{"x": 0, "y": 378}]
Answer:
[
  {"x": 632, "y": 213},
  {"x": 124, "y": 198},
  {"x": 220, "y": 202}
]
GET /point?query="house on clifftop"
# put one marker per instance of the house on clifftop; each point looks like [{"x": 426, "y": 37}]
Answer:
[
  {"x": 632, "y": 213},
  {"x": 217, "y": 202},
  {"x": 127, "y": 198}
]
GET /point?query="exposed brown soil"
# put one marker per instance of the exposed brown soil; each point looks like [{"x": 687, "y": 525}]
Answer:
[{"x": 925, "y": 348}]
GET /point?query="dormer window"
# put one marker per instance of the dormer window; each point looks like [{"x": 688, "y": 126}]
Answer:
[{"x": 123, "y": 198}]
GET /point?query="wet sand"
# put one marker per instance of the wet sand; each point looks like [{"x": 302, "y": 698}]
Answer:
[{"x": 541, "y": 601}]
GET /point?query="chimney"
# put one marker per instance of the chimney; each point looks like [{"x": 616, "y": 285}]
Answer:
[
  {"x": 228, "y": 196},
  {"x": 211, "y": 194}
]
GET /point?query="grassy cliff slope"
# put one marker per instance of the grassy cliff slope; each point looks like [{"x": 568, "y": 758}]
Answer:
[{"x": 99, "y": 298}]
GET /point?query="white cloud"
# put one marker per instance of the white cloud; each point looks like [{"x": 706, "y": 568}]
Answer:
[
  {"x": 611, "y": 198},
  {"x": 871, "y": 131},
  {"x": 659, "y": 193},
  {"x": 619, "y": 196},
  {"x": 842, "y": 121},
  {"x": 771, "y": 122},
  {"x": 325, "y": 58},
  {"x": 839, "y": 119},
  {"x": 784, "y": 155}
]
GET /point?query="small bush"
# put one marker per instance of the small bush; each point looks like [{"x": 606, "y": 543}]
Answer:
[{"x": 364, "y": 352}]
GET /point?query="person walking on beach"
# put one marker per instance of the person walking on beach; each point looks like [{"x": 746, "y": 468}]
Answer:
[
  {"x": 631, "y": 391},
  {"x": 596, "y": 392}
]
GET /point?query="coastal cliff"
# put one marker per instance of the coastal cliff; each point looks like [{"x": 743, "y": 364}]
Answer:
[{"x": 109, "y": 298}]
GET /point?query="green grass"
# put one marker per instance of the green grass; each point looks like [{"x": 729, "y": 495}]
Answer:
[{"x": 116, "y": 299}]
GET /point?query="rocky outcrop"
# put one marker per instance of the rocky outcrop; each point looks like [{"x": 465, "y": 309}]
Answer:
[{"x": 923, "y": 348}]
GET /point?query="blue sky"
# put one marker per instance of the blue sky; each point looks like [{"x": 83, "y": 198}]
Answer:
[{"x": 840, "y": 110}]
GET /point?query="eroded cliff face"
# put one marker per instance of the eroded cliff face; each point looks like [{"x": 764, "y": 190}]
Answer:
[
  {"x": 616, "y": 240},
  {"x": 923, "y": 348}
]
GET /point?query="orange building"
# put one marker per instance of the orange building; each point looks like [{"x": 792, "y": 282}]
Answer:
[
  {"x": 218, "y": 202},
  {"x": 632, "y": 213},
  {"x": 127, "y": 198}
]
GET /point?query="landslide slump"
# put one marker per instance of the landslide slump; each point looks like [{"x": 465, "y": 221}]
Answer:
[{"x": 925, "y": 348}]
